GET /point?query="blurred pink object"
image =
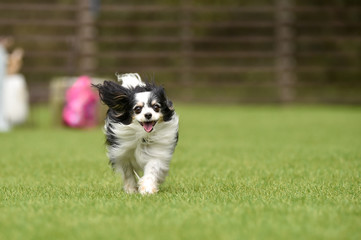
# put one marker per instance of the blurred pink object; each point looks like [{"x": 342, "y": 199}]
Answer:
[{"x": 80, "y": 107}]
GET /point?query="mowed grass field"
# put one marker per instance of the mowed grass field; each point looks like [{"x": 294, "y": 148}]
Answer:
[{"x": 237, "y": 173}]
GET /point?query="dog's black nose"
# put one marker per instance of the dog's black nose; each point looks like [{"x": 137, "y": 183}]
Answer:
[{"x": 148, "y": 116}]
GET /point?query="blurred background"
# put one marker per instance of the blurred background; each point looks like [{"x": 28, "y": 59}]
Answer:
[{"x": 229, "y": 51}]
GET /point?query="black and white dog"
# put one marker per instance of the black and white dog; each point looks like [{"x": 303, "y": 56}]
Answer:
[{"x": 141, "y": 130}]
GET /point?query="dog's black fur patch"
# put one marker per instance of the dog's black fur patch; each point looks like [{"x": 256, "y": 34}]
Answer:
[
  {"x": 166, "y": 105},
  {"x": 111, "y": 139}
]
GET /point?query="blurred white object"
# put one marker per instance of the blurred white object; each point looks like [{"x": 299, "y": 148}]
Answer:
[
  {"x": 4, "y": 125},
  {"x": 15, "y": 99}
]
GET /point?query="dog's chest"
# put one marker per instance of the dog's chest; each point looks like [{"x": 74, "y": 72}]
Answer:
[
  {"x": 142, "y": 153},
  {"x": 147, "y": 140}
]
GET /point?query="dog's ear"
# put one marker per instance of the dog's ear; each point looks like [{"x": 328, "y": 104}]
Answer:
[
  {"x": 117, "y": 98},
  {"x": 168, "y": 110},
  {"x": 113, "y": 95}
]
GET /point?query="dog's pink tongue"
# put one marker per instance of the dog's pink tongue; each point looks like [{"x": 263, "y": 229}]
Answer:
[{"x": 148, "y": 126}]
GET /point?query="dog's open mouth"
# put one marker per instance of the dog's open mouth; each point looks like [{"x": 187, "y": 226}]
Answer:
[{"x": 148, "y": 126}]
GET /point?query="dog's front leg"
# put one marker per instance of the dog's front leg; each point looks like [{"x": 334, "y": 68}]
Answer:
[
  {"x": 155, "y": 172},
  {"x": 126, "y": 171}
]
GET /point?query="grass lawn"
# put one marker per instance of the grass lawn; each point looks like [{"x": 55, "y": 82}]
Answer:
[{"x": 237, "y": 173}]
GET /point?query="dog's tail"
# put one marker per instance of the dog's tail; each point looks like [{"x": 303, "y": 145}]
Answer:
[{"x": 130, "y": 80}]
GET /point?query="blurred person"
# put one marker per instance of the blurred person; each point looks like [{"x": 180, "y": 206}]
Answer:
[
  {"x": 14, "y": 93},
  {"x": 4, "y": 125}
]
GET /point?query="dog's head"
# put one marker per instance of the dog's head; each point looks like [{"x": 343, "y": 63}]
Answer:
[{"x": 144, "y": 104}]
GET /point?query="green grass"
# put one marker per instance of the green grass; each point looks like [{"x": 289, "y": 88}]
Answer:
[{"x": 237, "y": 173}]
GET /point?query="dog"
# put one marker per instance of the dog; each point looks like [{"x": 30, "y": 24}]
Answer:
[{"x": 141, "y": 129}]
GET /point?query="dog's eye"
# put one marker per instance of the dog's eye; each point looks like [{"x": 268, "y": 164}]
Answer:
[
  {"x": 156, "y": 107},
  {"x": 138, "y": 109}
]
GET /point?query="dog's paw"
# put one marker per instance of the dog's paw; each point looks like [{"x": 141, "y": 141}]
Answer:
[
  {"x": 130, "y": 188},
  {"x": 147, "y": 186}
]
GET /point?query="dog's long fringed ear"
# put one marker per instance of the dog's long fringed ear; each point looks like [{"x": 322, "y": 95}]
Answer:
[
  {"x": 114, "y": 96},
  {"x": 168, "y": 111}
]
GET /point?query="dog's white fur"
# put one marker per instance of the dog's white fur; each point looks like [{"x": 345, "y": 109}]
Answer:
[{"x": 139, "y": 150}]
